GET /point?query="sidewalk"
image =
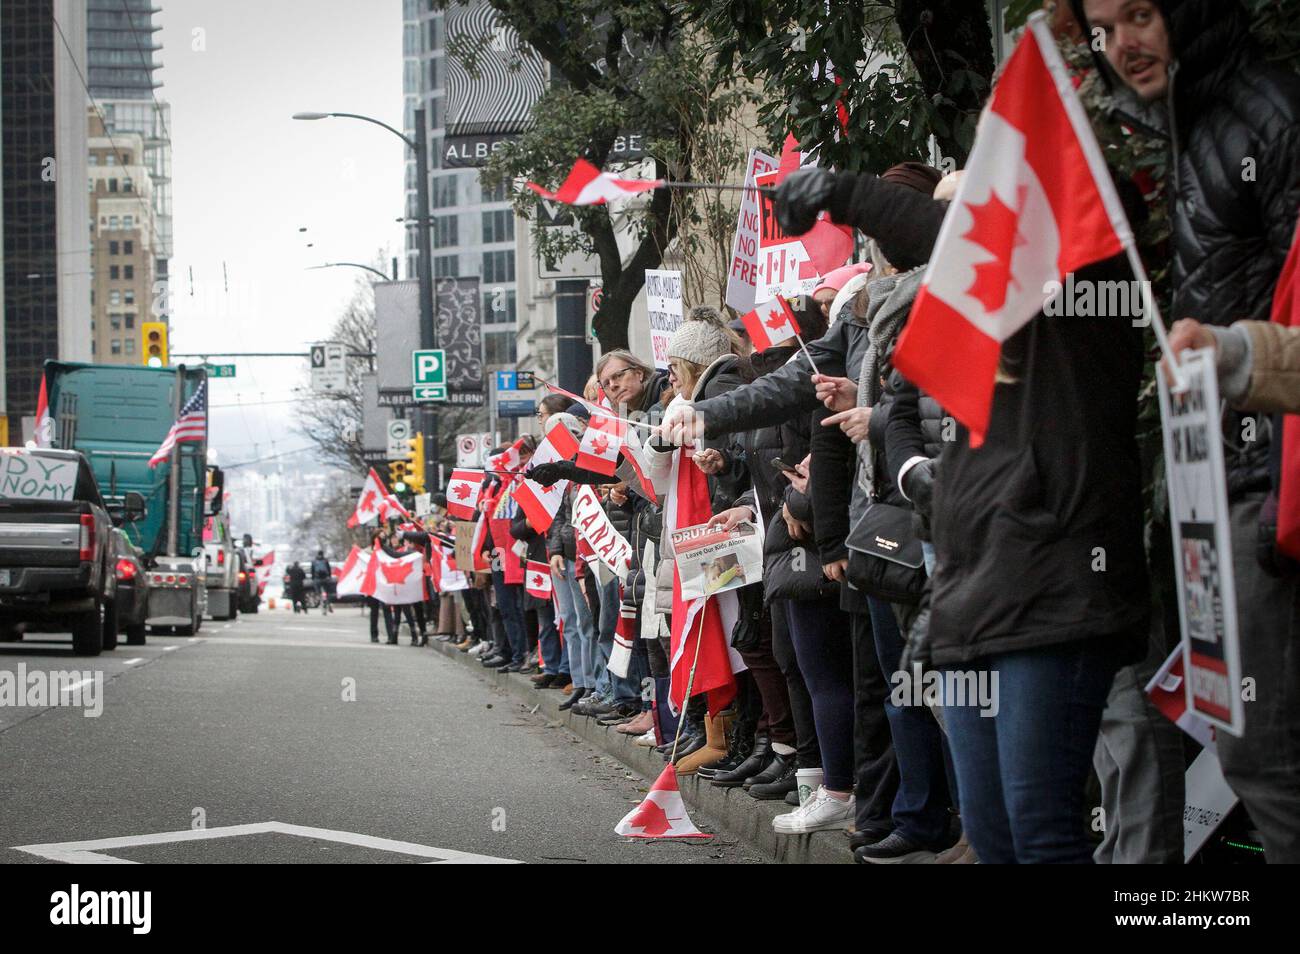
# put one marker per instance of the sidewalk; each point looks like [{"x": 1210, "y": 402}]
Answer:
[{"x": 730, "y": 810}]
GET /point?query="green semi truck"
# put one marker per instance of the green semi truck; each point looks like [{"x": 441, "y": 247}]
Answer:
[{"x": 118, "y": 416}]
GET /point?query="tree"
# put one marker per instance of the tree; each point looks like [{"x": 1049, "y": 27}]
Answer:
[
  {"x": 902, "y": 70},
  {"x": 617, "y": 69}
]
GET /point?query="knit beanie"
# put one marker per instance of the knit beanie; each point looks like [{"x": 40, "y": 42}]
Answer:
[{"x": 702, "y": 338}]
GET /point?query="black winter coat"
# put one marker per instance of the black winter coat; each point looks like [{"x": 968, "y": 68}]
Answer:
[{"x": 1233, "y": 123}]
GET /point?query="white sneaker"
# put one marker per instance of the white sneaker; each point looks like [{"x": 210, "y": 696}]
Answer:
[
  {"x": 648, "y": 739},
  {"x": 821, "y": 812},
  {"x": 477, "y": 650}
]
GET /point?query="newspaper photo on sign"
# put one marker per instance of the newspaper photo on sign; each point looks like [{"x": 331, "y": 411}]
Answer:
[
  {"x": 711, "y": 560},
  {"x": 1198, "y": 511}
]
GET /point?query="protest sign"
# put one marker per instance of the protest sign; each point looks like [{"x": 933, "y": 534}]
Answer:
[
  {"x": 711, "y": 560},
  {"x": 663, "y": 305},
  {"x": 742, "y": 275},
  {"x": 592, "y": 524}
]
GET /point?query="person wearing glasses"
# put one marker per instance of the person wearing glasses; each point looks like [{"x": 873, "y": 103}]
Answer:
[{"x": 631, "y": 385}]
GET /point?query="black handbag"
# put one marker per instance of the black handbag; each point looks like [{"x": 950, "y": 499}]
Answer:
[{"x": 887, "y": 560}]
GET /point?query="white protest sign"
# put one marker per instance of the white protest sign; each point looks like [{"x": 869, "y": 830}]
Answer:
[
  {"x": 1198, "y": 511},
  {"x": 1207, "y": 803},
  {"x": 35, "y": 477},
  {"x": 742, "y": 276},
  {"x": 592, "y": 524},
  {"x": 663, "y": 305}
]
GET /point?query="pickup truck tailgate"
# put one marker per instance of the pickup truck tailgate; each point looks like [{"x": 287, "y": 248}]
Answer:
[{"x": 50, "y": 540}]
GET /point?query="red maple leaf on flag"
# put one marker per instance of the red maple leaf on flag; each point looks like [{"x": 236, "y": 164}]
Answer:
[
  {"x": 461, "y": 491},
  {"x": 368, "y": 500},
  {"x": 995, "y": 229},
  {"x": 537, "y": 581},
  {"x": 651, "y": 819},
  {"x": 396, "y": 573},
  {"x": 775, "y": 318},
  {"x": 600, "y": 445}
]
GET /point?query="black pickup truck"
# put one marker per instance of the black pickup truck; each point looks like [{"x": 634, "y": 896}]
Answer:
[{"x": 57, "y": 555}]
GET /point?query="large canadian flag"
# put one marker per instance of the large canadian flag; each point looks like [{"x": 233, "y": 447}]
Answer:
[
  {"x": 1036, "y": 203},
  {"x": 353, "y": 576},
  {"x": 662, "y": 814},
  {"x": 600, "y": 444},
  {"x": 541, "y": 503},
  {"x": 463, "y": 492},
  {"x": 373, "y": 502},
  {"x": 587, "y": 185},
  {"x": 395, "y": 580}
]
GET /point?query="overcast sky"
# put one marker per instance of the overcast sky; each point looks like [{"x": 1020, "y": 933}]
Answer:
[{"x": 246, "y": 177}]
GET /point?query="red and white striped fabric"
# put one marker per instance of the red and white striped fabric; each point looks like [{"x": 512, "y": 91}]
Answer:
[
  {"x": 190, "y": 428},
  {"x": 1036, "y": 203},
  {"x": 463, "y": 491},
  {"x": 541, "y": 503},
  {"x": 370, "y": 505},
  {"x": 770, "y": 323},
  {"x": 600, "y": 445},
  {"x": 44, "y": 433},
  {"x": 662, "y": 814},
  {"x": 587, "y": 185},
  {"x": 391, "y": 508},
  {"x": 537, "y": 580},
  {"x": 637, "y": 470}
]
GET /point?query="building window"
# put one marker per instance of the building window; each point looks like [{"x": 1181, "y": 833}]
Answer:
[
  {"x": 112, "y": 248},
  {"x": 446, "y": 266},
  {"x": 498, "y": 226},
  {"x": 446, "y": 231},
  {"x": 115, "y": 321},
  {"x": 128, "y": 272},
  {"x": 130, "y": 346},
  {"x": 112, "y": 185},
  {"x": 113, "y": 222},
  {"x": 498, "y": 193},
  {"x": 126, "y": 185},
  {"x": 113, "y": 273},
  {"x": 130, "y": 318},
  {"x": 499, "y": 306},
  {"x": 128, "y": 247},
  {"x": 115, "y": 346},
  {"x": 499, "y": 349},
  {"x": 444, "y": 191},
  {"x": 126, "y": 221},
  {"x": 114, "y": 296},
  {"x": 129, "y": 296},
  {"x": 498, "y": 266}
]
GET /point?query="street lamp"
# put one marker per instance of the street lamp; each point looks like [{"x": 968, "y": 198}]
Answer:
[
  {"x": 352, "y": 265},
  {"x": 428, "y": 330}
]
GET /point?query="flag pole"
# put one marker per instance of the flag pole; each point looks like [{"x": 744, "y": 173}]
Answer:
[
  {"x": 806, "y": 353},
  {"x": 1152, "y": 312},
  {"x": 722, "y": 186},
  {"x": 690, "y": 681}
]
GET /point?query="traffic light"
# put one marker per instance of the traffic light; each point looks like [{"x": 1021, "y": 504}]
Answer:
[
  {"x": 154, "y": 351},
  {"x": 397, "y": 476},
  {"x": 415, "y": 464}
]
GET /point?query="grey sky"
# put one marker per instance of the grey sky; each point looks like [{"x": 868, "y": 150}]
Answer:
[{"x": 246, "y": 177}]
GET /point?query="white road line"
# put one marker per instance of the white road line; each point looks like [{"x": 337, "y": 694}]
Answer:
[
  {"x": 132, "y": 662},
  {"x": 168, "y": 649},
  {"x": 77, "y": 685}
]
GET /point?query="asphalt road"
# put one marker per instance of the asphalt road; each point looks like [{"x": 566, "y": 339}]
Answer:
[{"x": 285, "y": 738}]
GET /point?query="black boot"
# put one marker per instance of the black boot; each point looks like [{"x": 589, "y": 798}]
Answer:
[
  {"x": 774, "y": 770},
  {"x": 739, "y": 749},
  {"x": 574, "y": 696},
  {"x": 778, "y": 786},
  {"x": 756, "y": 764}
]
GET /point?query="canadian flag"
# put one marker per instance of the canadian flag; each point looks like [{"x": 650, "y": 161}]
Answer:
[
  {"x": 541, "y": 503},
  {"x": 264, "y": 566},
  {"x": 463, "y": 492},
  {"x": 587, "y": 185},
  {"x": 770, "y": 323},
  {"x": 1036, "y": 203},
  {"x": 601, "y": 443},
  {"x": 372, "y": 503},
  {"x": 537, "y": 580},
  {"x": 395, "y": 580},
  {"x": 392, "y": 507},
  {"x": 662, "y": 814},
  {"x": 44, "y": 433},
  {"x": 481, "y": 561},
  {"x": 508, "y": 461},
  {"x": 353, "y": 575},
  {"x": 638, "y": 468}
]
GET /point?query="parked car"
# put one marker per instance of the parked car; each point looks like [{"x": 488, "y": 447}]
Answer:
[
  {"x": 57, "y": 548},
  {"x": 132, "y": 590}
]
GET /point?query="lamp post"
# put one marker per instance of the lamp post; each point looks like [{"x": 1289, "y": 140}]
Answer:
[
  {"x": 428, "y": 330},
  {"x": 368, "y": 268}
]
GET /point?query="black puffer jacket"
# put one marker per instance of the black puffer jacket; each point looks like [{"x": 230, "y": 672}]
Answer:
[
  {"x": 521, "y": 529},
  {"x": 764, "y": 444},
  {"x": 1233, "y": 123},
  {"x": 915, "y": 429}
]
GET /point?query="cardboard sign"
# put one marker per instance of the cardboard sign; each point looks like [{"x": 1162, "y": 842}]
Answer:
[
  {"x": 742, "y": 275},
  {"x": 1198, "y": 510},
  {"x": 464, "y": 530},
  {"x": 592, "y": 524},
  {"x": 663, "y": 305},
  {"x": 35, "y": 477}
]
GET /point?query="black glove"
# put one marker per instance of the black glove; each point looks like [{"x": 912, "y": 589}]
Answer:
[
  {"x": 918, "y": 484},
  {"x": 800, "y": 198},
  {"x": 547, "y": 474}
]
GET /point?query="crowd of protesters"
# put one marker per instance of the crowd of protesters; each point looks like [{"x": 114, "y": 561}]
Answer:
[{"x": 825, "y": 445}]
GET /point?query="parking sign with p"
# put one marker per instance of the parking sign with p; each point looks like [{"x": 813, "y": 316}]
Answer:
[{"x": 428, "y": 375}]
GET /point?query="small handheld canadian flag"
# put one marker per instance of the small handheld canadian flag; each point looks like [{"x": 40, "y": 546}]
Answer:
[
  {"x": 601, "y": 443},
  {"x": 372, "y": 503},
  {"x": 662, "y": 814},
  {"x": 537, "y": 580},
  {"x": 587, "y": 185},
  {"x": 770, "y": 323},
  {"x": 463, "y": 492},
  {"x": 541, "y": 503}
]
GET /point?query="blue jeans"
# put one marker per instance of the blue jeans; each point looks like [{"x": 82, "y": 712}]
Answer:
[
  {"x": 1022, "y": 771},
  {"x": 579, "y": 630},
  {"x": 554, "y": 660},
  {"x": 920, "y": 809},
  {"x": 510, "y": 601}
]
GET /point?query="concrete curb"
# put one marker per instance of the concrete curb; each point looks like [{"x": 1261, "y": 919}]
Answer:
[{"x": 730, "y": 810}]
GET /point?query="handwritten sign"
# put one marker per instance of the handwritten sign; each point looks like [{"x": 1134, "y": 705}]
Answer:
[
  {"x": 33, "y": 477},
  {"x": 742, "y": 276},
  {"x": 663, "y": 305},
  {"x": 592, "y": 524}
]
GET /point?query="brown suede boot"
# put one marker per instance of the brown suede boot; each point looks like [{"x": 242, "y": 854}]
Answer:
[{"x": 715, "y": 746}]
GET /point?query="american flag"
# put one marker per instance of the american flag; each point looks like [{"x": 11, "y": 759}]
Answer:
[{"x": 191, "y": 426}]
